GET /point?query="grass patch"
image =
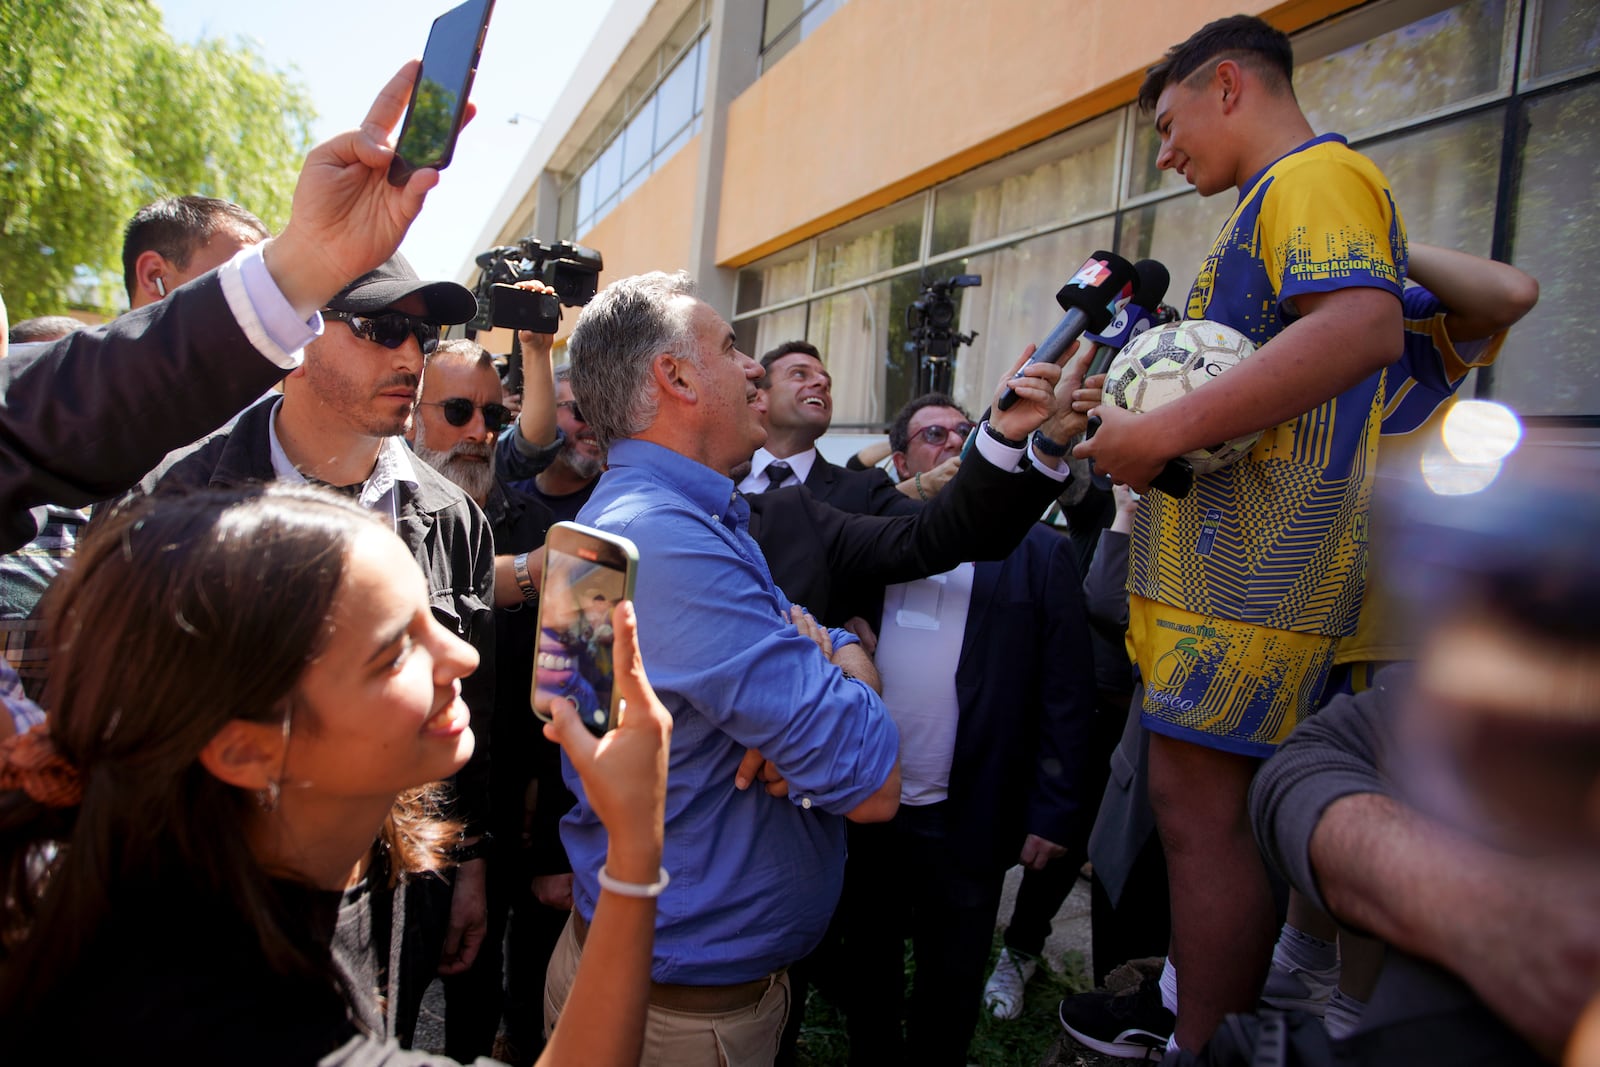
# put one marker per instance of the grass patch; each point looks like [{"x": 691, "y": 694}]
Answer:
[{"x": 1025, "y": 1041}]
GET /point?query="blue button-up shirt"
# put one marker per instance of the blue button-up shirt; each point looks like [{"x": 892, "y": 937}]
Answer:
[{"x": 755, "y": 878}]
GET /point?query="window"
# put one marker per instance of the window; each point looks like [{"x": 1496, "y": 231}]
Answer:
[
  {"x": 788, "y": 22},
  {"x": 1564, "y": 39},
  {"x": 1549, "y": 366},
  {"x": 1447, "y": 59},
  {"x": 656, "y": 116}
]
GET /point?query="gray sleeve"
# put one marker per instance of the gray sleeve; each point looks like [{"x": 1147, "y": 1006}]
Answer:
[
  {"x": 516, "y": 459},
  {"x": 1337, "y": 752},
  {"x": 1105, "y": 587}
]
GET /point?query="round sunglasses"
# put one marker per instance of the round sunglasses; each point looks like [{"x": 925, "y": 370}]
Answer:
[
  {"x": 936, "y": 435},
  {"x": 458, "y": 412}
]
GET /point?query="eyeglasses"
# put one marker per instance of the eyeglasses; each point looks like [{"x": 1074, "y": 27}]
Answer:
[
  {"x": 389, "y": 329},
  {"x": 572, "y": 409},
  {"x": 937, "y": 435},
  {"x": 458, "y": 412}
]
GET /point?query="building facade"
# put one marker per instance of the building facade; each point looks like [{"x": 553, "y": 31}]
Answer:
[{"x": 814, "y": 162}]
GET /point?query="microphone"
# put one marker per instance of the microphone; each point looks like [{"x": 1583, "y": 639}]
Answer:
[
  {"x": 1091, "y": 298},
  {"x": 1151, "y": 279}
]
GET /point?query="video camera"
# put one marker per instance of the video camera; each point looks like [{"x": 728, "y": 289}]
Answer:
[
  {"x": 930, "y": 320},
  {"x": 572, "y": 270}
]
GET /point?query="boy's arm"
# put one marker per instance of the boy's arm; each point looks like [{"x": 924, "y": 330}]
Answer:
[
  {"x": 1484, "y": 296},
  {"x": 1340, "y": 338}
]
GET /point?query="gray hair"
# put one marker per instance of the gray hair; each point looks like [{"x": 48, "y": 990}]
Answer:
[
  {"x": 468, "y": 351},
  {"x": 611, "y": 348}
]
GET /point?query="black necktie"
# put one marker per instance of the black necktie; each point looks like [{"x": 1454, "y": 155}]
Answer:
[{"x": 777, "y": 473}]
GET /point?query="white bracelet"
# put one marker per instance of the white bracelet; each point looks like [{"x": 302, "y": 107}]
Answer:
[{"x": 634, "y": 889}]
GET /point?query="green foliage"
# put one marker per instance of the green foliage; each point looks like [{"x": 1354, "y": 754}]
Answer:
[
  {"x": 102, "y": 112},
  {"x": 429, "y": 125}
]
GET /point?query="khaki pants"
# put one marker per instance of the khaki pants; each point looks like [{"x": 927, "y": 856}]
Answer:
[{"x": 744, "y": 1038}]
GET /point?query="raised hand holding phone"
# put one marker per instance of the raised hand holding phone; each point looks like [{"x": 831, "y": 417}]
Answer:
[{"x": 438, "y": 107}]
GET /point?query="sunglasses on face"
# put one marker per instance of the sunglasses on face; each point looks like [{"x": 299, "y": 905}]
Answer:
[
  {"x": 937, "y": 435},
  {"x": 572, "y": 409},
  {"x": 389, "y": 329},
  {"x": 458, "y": 412}
]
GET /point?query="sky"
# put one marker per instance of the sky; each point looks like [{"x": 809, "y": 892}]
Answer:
[{"x": 343, "y": 51}]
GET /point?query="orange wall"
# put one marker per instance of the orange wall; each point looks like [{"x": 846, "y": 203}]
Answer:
[{"x": 889, "y": 97}]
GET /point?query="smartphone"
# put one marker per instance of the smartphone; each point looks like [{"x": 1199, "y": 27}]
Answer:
[
  {"x": 586, "y": 574},
  {"x": 524, "y": 309},
  {"x": 439, "y": 98}
]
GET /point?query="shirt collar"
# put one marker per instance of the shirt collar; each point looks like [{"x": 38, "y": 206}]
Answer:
[
  {"x": 1255, "y": 179},
  {"x": 801, "y": 463},
  {"x": 394, "y": 464},
  {"x": 707, "y": 490}
]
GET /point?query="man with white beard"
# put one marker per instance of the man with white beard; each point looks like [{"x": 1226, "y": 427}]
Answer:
[{"x": 459, "y": 416}]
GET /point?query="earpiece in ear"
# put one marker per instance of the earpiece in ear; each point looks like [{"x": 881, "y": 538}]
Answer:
[{"x": 161, "y": 286}]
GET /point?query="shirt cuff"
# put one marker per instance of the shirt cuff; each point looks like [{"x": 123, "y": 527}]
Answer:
[
  {"x": 1002, "y": 456},
  {"x": 1055, "y": 474},
  {"x": 265, "y": 316},
  {"x": 842, "y": 639}
]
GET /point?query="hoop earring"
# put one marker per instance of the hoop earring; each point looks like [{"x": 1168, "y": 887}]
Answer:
[{"x": 268, "y": 798}]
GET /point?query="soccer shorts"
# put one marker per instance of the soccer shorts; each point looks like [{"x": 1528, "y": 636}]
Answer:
[{"x": 1222, "y": 683}]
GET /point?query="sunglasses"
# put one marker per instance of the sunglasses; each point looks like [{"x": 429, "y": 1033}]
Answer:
[
  {"x": 937, "y": 435},
  {"x": 572, "y": 409},
  {"x": 458, "y": 412},
  {"x": 389, "y": 329}
]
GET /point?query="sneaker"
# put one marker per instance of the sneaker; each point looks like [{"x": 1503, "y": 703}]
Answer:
[
  {"x": 1002, "y": 993},
  {"x": 1127, "y": 1026},
  {"x": 1298, "y": 989}
]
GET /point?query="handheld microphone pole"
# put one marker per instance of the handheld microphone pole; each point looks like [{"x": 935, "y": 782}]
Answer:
[
  {"x": 1140, "y": 313},
  {"x": 1093, "y": 296}
]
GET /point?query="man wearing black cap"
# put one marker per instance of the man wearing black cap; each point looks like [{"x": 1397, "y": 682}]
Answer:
[{"x": 339, "y": 423}]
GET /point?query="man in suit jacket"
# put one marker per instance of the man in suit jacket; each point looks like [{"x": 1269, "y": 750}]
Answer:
[
  {"x": 799, "y": 410},
  {"x": 991, "y": 755}
]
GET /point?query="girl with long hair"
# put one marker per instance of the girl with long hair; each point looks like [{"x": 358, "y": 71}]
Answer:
[{"x": 204, "y": 851}]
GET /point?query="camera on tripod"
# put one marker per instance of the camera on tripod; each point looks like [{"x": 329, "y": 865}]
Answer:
[
  {"x": 930, "y": 320},
  {"x": 572, "y": 270}
]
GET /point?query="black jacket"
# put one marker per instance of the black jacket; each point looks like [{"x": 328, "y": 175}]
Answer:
[
  {"x": 446, "y": 533},
  {"x": 85, "y": 417}
]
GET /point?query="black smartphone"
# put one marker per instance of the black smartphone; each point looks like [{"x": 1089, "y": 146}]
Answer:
[
  {"x": 523, "y": 309},
  {"x": 586, "y": 574},
  {"x": 439, "y": 98}
]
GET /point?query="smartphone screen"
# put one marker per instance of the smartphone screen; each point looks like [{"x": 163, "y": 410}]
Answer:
[
  {"x": 586, "y": 574},
  {"x": 439, "y": 99}
]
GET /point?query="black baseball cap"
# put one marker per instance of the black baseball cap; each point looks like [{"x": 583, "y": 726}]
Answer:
[{"x": 445, "y": 303}]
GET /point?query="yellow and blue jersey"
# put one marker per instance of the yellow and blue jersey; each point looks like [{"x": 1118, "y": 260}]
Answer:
[{"x": 1279, "y": 539}]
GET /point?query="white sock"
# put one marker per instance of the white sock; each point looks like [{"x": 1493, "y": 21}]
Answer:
[
  {"x": 1344, "y": 1012},
  {"x": 1297, "y": 950},
  {"x": 1169, "y": 986}
]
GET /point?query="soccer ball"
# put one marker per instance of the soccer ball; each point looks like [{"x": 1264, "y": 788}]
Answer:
[{"x": 1168, "y": 362}]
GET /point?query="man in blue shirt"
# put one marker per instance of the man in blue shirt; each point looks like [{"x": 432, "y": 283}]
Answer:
[{"x": 755, "y": 872}]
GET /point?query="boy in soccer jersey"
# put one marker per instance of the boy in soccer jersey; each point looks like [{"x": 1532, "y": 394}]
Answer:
[{"x": 1240, "y": 592}]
